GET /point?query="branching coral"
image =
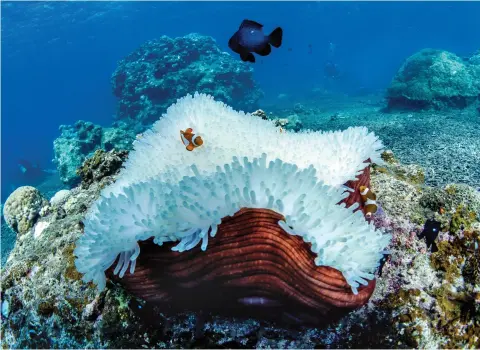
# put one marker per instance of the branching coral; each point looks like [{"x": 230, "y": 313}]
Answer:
[{"x": 173, "y": 195}]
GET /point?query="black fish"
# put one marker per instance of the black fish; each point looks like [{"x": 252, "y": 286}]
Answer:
[
  {"x": 430, "y": 232},
  {"x": 250, "y": 38},
  {"x": 383, "y": 260}
]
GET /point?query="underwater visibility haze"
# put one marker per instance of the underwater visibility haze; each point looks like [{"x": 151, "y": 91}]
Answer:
[{"x": 240, "y": 174}]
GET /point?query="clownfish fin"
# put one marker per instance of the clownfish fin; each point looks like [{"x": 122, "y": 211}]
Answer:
[{"x": 190, "y": 147}]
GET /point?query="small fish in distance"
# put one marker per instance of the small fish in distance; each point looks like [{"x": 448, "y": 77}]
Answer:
[
  {"x": 383, "y": 260},
  {"x": 430, "y": 233},
  {"x": 250, "y": 38}
]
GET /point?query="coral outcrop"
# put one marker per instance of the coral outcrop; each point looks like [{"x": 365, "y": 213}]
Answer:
[
  {"x": 101, "y": 164},
  {"x": 148, "y": 81},
  {"x": 80, "y": 141},
  {"x": 23, "y": 208},
  {"x": 59, "y": 197},
  {"x": 75, "y": 143},
  {"x": 435, "y": 79},
  {"x": 160, "y": 71}
]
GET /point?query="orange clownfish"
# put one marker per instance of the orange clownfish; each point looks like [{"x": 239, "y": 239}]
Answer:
[
  {"x": 190, "y": 140},
  {"x": 369, "y": 201}
]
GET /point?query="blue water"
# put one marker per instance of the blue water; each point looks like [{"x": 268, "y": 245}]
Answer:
[{"x": 57, "y": 58}]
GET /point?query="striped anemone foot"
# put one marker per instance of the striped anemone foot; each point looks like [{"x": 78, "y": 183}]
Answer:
[{"x": 252, "y": 267}]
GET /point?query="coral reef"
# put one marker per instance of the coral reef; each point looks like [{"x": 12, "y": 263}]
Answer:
[
  {"x": 73, "y": 146},
  {"x": 444, "y": 143},
  {"x": 457, "y": 206},
  {"x": 291, "y": 123},
  {"x": 146, "y": 83},
  {"x": 435, "y": 78},
  {"x": 23, "y": 208},
  {"x": 78, "y": 142},
  {"x": 8, "y": 237},
  {"x": 445, "y": 311},
  {"x": 101, "y": 164},
  {"x": 425, "y": 292},
  {"x": 420, "y": 300},
  {"x": 160, "y": 71},
  {"x": 59, "y": 197},
  {"x": 119, "y": 138}
]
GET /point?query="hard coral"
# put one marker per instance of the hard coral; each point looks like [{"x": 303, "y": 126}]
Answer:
[
  {"x": 435, "y": 78},
  {"x": 79, "y": 142},
  {"x": 72, "y": 147},
  {"x": 160, "y": 71},
  {"x": 101, "y": 164},
  {"x": 22, "y": 208},
  {"x": 458, "y": 297}
]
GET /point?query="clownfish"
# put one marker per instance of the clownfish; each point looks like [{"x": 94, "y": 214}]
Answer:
[
  {"x": 190, "y": 140},
  {"x": 369, "y": 201}
]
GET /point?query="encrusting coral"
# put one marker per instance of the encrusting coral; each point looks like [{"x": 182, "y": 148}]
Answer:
[{"x": 173, "y": 195}]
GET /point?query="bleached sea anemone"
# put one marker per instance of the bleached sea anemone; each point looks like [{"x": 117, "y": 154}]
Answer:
[{"x": 174, "y": 195}]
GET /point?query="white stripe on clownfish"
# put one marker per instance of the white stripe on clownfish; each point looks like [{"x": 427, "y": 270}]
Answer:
[
  {"x": 194, "y": 138},
  {"x": 365, "y": 191},
  {"x": 370, "y": 201}
]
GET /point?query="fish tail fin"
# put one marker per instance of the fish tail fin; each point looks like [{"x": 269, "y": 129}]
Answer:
[
  {"x": 247, "y": 57},
  {"x": 275, "y": 37}
]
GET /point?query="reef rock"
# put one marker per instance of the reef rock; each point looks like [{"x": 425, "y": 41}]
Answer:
[
  {"x": 79, "y": 141},
  {"x": 159, "y": 72},
  {"x": 23, "y": 207},
  {"x": 101, "y": 164},
  {"x": 73, "y": 146},
  {"x": 59, "y": 198},
  {"x": 119, "y": 138},
  {"x": 8, "y": 238},
  {"x": 435, "y": 79}
]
